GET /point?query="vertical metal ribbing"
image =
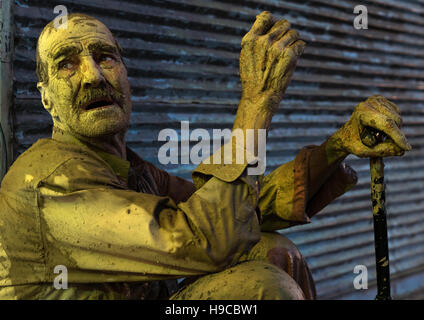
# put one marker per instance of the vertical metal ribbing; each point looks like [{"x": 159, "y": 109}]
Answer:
[{"x": 6, "y": 81}]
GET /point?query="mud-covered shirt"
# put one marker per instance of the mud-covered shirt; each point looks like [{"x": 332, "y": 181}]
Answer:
[{"x": 126, "y": 229}]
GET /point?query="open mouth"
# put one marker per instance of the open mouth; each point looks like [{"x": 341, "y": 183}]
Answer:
[{"x": 97, "y": 104}]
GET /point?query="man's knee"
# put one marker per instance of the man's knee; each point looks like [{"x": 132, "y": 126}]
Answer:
[
  {"x": 251, "y": 280},
  {"x": 276, "y": 249}
]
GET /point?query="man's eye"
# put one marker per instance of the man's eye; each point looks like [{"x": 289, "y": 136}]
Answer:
[
  {"x": 106, "y": 59},
  {"x": 66, "y": 65}
]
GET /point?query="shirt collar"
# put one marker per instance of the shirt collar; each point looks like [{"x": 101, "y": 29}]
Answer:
[{"x": 120, "y": 166}]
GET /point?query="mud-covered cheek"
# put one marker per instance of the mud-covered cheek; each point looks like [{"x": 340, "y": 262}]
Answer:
[
  {"x": 117, "y": 76},
  {"x": 114, "y": 76},
  {"x": 62, "y": 89},
  {"x": 61, "y": 94}
]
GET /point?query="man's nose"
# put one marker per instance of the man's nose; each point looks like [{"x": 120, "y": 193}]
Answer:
[{"x": 92, "y": 75}]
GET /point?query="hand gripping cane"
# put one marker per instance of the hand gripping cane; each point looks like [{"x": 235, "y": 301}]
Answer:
[{"x": 370, "y": 137}]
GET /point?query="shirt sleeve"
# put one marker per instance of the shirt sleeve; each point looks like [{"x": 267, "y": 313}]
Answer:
[
  {"x": 104, "y": 233},
  {"x": 178, "y": 189},
  {"x": 297, "y": 190}
]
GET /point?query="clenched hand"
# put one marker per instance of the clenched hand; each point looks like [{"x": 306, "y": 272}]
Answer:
[
  {"x": 377, "y": 114},
  {"x": 268, "y": 58}
]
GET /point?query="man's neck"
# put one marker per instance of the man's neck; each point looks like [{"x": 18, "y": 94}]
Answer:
[{"x": 113, "y": 144}]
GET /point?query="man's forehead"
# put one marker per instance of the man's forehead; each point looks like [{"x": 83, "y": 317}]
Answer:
[{"x": 79, "y": 31}]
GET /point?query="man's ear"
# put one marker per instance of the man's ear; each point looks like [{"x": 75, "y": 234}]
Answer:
[
  {"x": 41, "y": 86},
  {"x": 42, "y": 89},
  {"x": 48, "y": 105}
]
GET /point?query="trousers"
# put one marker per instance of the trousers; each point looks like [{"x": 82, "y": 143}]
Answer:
[{"x": 273, "y": 269}]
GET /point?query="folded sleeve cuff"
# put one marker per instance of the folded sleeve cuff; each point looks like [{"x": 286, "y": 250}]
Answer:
[
  {"x": 311, "y": 172},
  {"x": 226, "y": 164}
]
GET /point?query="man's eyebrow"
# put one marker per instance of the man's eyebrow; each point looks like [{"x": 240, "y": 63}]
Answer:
[
  {"x": 66, "y": 51},
  {"x": 102, "y": 46}
]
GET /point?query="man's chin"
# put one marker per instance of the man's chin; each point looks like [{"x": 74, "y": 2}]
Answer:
[{"x": 102, "y": 129}]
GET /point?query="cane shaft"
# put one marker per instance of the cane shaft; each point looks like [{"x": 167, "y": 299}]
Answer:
[{"x": 380, "y": 228}]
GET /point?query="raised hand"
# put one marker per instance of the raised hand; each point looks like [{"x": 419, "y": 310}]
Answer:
[
  {"x": 269, "y": 54},
  {"x": 268, "y": 58}
]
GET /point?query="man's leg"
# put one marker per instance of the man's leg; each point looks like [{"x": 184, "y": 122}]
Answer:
[
  {"x": 249, "y": 280},
  {"x": 275, "y": 252},
  {"x": 278, "y": 250}
]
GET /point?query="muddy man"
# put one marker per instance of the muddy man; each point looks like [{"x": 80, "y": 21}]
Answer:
[{"x": 125, "y": 229}]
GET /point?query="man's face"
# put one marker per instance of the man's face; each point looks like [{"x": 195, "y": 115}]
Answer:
[{"x": 88, "y": 92}]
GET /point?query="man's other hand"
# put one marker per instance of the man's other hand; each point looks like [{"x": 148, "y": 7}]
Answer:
[{"x": 376, "y": 115}]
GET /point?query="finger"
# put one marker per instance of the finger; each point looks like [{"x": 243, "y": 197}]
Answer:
[
  {"x": 278, "y": 30},
  {"x": 378, "y": 99},
  {"x": 290, "y": 37},
  {"x": 386, "y": 102},
  {"x": 263, "y": 23},
  {"x": 287, "y": 64},
  {"x": 298, "y": 47},
  {"x": 384, "y": 149},
  {"x": 385, "y": 124},
  {"x": 385, "y": 109},
  {"x": 288, "y": 61}
]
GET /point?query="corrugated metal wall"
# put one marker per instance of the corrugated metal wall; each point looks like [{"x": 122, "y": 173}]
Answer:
[{"x": 182, "y": 57}]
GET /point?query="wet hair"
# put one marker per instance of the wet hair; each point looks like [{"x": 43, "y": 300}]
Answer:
[{"x": 41, "y": 66}]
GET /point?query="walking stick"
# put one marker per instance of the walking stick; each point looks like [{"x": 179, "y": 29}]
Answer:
[{"x": 370, "y": 138}]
